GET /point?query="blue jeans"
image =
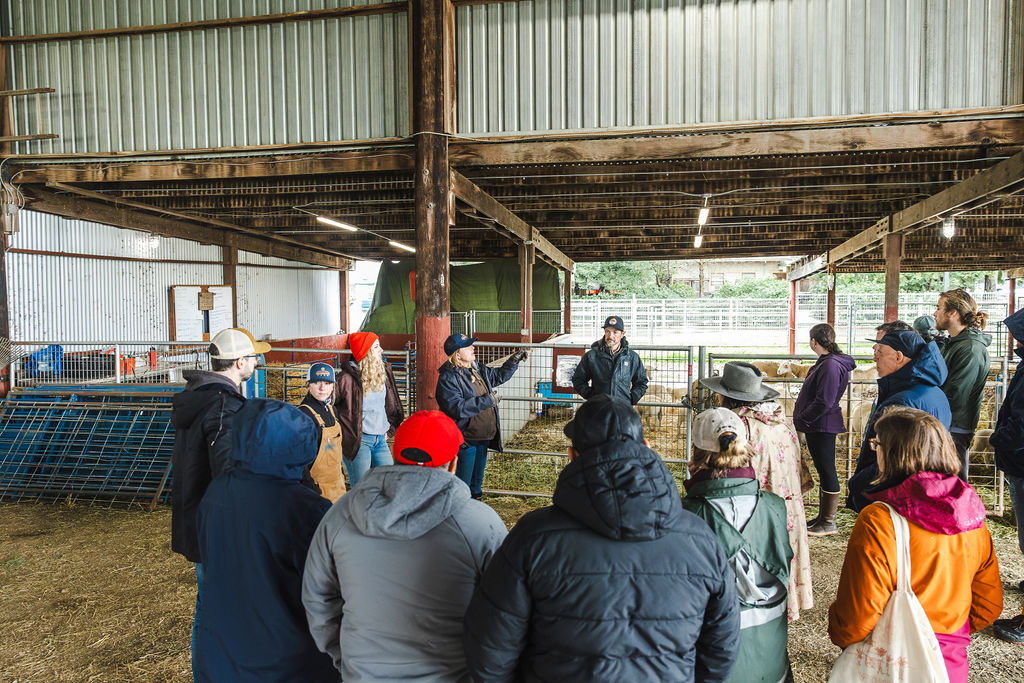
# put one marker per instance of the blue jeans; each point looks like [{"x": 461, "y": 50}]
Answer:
[
  {"x": 471, "y": 464},
  {"x": 1016, "y": 486},
  {"x": 195, "y": 618},
  {"x": 373, "y": 452}
]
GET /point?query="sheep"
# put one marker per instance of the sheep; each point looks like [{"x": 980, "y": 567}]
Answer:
[
  {"x": 649, "y": 413},
  {"x": 860, "y": 417},
  {"x": 981, "y": 447},
  {"x": 864, "y": 372},
  {"x": 768, "y": 368},
  {"x": 790, "y": 368}
]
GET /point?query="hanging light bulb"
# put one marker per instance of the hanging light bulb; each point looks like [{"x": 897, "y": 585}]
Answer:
[
  {"x": 705, "y": 211},
  {"x": 698, "y": 240},
  {"x": 948, "y": 227}
]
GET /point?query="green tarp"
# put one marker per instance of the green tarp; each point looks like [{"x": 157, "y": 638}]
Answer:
[{"x": 486, "y": 286}]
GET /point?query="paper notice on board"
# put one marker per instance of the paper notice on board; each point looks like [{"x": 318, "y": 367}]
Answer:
[{"x": 566, "y": 365}]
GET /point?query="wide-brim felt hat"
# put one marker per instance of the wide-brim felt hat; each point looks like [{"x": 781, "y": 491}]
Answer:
[{"x": 740, "y": 381}]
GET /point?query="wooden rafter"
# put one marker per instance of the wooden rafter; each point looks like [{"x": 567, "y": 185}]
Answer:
[
  {"x": 123, "y": 217},
  {"x": 978, "y": 190},
  {"x": 508, "y": 222}
]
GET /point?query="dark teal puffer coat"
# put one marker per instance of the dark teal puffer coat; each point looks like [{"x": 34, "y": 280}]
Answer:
[{"x": 614, "y": 582}]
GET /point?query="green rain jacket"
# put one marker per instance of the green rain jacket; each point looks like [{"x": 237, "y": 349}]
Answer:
[{"x": 966, "y": 357}]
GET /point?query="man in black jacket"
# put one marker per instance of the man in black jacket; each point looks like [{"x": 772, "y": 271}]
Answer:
[
  {"x": 611, "y": 367},
  {"x": 202, "y": 416},
  {"x": 614, "y": 582}
]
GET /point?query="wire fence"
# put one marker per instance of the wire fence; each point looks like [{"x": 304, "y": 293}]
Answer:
[{"x": 48, "y": 415}]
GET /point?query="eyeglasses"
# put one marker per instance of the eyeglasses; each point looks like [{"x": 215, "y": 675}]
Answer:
[{"x": 874, "y": 443}]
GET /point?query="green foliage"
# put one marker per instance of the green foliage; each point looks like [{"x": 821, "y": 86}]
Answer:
[
  {"x": 860, "y": 283},
  {"x": 622, "y": 280},
  {"x": 760, "y": 288}
]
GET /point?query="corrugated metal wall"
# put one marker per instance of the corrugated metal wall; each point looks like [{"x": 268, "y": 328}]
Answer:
[
  {"x": 61, "y": 298},
  {"x": 309, "y": 81},
  {"x": 288, "y": 303},
  {"x": 584, "y": 64}
]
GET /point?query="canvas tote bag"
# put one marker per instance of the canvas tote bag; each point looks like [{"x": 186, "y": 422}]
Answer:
[{"x": 902, "y": 646}]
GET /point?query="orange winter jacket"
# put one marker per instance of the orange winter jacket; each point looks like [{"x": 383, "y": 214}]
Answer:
[{"x": 954, "y": 577}]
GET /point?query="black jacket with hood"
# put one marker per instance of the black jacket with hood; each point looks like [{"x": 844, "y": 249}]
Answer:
[
  {"x": 614, "y": 582},
  {"x": 1008, "y": 436},
  {"x": 202, "y": 415},
  {"x": 255, "y": 524}
]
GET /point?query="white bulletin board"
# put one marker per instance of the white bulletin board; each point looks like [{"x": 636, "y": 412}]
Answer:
[{"x": 188, "y": 322}]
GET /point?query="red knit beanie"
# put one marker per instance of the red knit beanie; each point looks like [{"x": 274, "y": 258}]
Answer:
[{"x": 360, "y": 343}]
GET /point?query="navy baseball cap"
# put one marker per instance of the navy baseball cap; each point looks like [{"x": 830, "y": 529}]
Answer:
[
  {"x": 615, "y": 322},
  {"x": 320, "y": 372},
  {"x": 907, "y": 342},
  {"x": 457, "y": 341}
]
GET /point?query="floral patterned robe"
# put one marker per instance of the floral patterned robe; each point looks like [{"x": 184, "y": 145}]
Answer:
[{"x": 776, "y": 461}]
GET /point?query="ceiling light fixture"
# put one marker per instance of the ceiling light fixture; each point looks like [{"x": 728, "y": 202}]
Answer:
[
  {"x": 948, "y": 227},
  {"x": 337, "y": 224},
  {"x": 698, "y": 240},
  {"x": 399, "y": 245},
  {"x": 705, "y": 211}
]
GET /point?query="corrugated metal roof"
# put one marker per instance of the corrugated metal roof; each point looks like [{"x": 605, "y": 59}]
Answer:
[
  {"x": 588, "y": 64},
  {"x": 55, "y": 298},
  {"x": 296, "y": 82},
  {"x": 288, "y": 303}
]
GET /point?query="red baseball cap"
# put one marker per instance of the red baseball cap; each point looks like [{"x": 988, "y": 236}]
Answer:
[{"x": 428, "y": 438}]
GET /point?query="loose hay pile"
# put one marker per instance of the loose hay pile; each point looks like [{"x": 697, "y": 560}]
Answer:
[
  {"x": 89, "y": 594},
  {"x": 286, "y": 382}
]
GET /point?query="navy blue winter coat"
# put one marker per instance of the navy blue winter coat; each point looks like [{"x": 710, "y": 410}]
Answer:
[
  {"x": 614, "y": 582},
  {"x": 255, "y": 525},
  {"x": 1008, "y": 435},
  {"x": 458, "y": 400},
  {"x": 915, "y": 385},
  {"x": 620, "y": 374}
]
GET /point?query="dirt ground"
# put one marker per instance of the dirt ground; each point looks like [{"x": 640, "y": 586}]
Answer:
[{"x": 94, "y": 594}]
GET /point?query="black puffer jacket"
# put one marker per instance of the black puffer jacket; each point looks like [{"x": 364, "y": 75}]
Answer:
[
  {"x": 614, "y": 582},
  {"x": 202, "y": 417}
]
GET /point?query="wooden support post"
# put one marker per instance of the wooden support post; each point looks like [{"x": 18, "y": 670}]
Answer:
[
  {"x": 231, "y": 279},
  {"x": 527, "y": 255},
  {"x": 432, "y": 38},
  {"x": 830, "y": 300},
  {"x": 893, "y": 253},
  {"x": 792, "y": 316},
  {"x": 1011, "y": 309},
  {"x": 567, "y": 303},
  {"x": 343, "y": 296}
]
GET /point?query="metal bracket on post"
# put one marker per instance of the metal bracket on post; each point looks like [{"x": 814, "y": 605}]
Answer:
[{"x": 117, "y": 363}]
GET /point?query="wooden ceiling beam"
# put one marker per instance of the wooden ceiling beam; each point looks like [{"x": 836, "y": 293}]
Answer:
[
  {"x": 471, "y": 194},
  {"x": 79, "y": 208},
  {"x": 974, "y": 192},
  {"x": 900, "y": 136},
  {"x": 62, "y": 187}
]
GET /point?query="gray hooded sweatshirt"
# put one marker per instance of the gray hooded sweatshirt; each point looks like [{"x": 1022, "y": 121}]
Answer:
[{"x": 391, "y": 570}]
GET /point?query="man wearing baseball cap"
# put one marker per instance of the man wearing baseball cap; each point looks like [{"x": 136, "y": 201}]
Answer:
[
  {"x": 611, "y": 367},
  {"x": 614, "y": 581},
  {"x": 910, "y": 372},
  {"x": 393, "y": 564},
  {"x": 202, "y": 415}
]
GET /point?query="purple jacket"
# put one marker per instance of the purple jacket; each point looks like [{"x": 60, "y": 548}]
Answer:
[{"x": 817, "y": 405}]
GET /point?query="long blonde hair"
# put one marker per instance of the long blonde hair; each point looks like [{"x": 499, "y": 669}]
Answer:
[
  {"x": 371, "y": 367},
  {"x": 458, "y": 362}
]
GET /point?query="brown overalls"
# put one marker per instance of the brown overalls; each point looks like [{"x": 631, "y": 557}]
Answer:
[{"x": 327, "y": 470}]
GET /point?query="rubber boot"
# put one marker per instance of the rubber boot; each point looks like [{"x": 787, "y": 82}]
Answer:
[{"x": 825, "y": 525}]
